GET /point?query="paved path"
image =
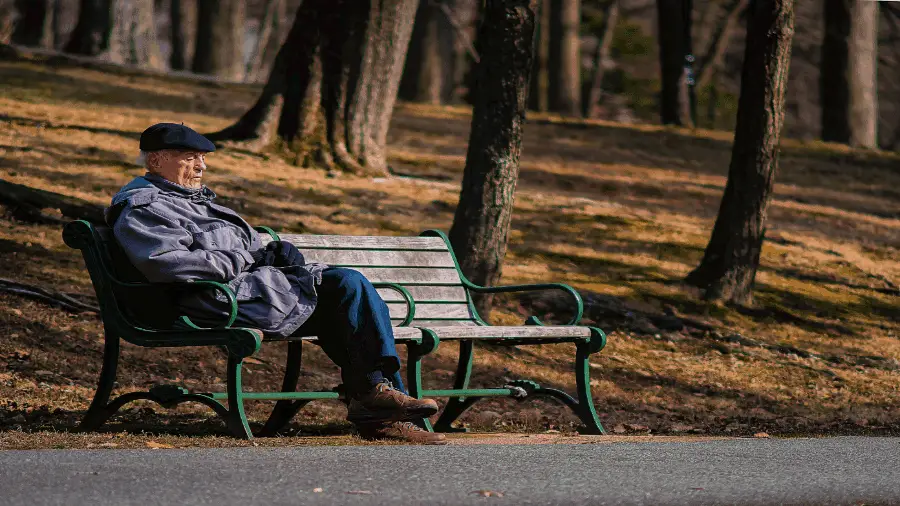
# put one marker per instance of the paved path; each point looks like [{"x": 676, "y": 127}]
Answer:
[{"x": 737, "y": 471}]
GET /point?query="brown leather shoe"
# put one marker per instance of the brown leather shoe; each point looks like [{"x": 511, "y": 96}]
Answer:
[
  {"x": 384, "y": 403},
  {"x": 407, "y": 432}
]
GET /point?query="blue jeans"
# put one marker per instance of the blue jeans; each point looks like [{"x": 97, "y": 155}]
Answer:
[{"x": 353, "y": 326}]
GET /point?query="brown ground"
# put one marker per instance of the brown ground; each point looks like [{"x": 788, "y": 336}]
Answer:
[{"x": 622, "y": 213}]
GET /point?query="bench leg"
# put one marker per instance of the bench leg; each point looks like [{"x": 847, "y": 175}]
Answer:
[
  {"x": 99, "y": 411},
  {"x": 237, "y": 420},
  {"x": 586, "y": 410},
  {"x": 456, "y": 406},
  {"x": 285, "y": 410},
  {"x": 414, "y": 354}
]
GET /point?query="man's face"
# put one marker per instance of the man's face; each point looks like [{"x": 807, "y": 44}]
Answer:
[{"x": 181, "y": 167}]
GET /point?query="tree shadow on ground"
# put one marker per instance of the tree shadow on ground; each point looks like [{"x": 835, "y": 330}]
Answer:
[{"x": 68, "y": 88}]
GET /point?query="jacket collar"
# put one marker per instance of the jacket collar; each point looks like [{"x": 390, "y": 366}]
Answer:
[{"x": 197, "y": 195}]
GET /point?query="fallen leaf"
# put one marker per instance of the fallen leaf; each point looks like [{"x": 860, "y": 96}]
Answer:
[
  {"x": 156, "y": 446},
  {"x": 17, "y": 311},
  {"x": 679, "y": 427},
  {"x": 108, "y": 445},
  {"x": 317, "y": 489},
  {"x": 761, "y": 435},
  {"x": 619, "y": 429},
  {"x": 488, "y": 493}
]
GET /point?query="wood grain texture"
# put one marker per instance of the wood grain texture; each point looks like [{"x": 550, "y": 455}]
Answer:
[{"x": 364, "y": 242}]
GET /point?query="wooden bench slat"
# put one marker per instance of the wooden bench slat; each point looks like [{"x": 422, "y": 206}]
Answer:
[
  {"x": 429, "y": 311},
  {"x": 442, "y": 323},
  {"x": 339, "y": 258},
  {"x": 365, "y": 242},
  {"x": 524, "y": 332},
  {"x": 404, "y": 275},
  {"x": 426, "y": 293}
]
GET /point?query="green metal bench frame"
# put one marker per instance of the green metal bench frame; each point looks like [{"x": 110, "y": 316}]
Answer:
[{"x": 241, "y": 343}]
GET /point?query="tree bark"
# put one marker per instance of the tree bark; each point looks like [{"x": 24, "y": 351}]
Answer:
[
  {"x": 721, "y": 40},
  {"x": 673, "y": 26},
  {"x": 602, "y": 60},
  {"x": 35, "y": 25},
  {"x": 134, "y": 40},
  {"x": 220, "y": 39},
  {"x": 538, "y": 98},
  {"x": 183, "y": 33},
  {"x": 271, "y": 36},
  {"x": 848, "y": 81},
  {"x": 331, "y": 93},
  {"x": 91, "y": 36},
  {"x": 65, "y": 17},
  {"x": 480, "y": 230},
  {"x": 565, "y": 57},
  {"x": 424, "y": 73},
  {"x": 729, "y": 265}
]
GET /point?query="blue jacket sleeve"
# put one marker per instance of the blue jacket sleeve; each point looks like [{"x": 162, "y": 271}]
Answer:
[{"x": 160, "y": 248}]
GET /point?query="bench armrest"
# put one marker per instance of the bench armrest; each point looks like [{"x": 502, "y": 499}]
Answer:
[
  {"x": 533, "y": 320},
  {"x": 189, "y": 286},
  {"x": 410, "y": 303}
]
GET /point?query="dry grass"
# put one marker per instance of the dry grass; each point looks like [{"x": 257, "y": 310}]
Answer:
[{"x": 620, "y": 212}]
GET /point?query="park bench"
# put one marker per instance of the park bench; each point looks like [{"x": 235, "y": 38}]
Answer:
[{"x": 418, "y": 277}]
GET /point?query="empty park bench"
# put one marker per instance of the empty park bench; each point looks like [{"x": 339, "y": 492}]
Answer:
[{"x": 418, "y": 277}]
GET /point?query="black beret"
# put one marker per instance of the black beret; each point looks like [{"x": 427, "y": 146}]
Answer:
[{"x": 174, "y": 136}]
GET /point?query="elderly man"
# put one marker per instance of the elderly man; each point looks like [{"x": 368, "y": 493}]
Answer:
[{"x": 170, "y": 228}]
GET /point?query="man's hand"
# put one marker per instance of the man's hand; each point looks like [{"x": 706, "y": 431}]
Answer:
[
  {"x": 278, "y": 254},
  {"x": 286, "y": 254}
]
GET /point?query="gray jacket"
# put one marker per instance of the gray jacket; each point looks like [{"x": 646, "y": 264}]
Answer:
[{"x": 172, "y": 233}]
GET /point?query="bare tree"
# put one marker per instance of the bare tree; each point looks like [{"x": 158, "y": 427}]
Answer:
[
  {"x": 183, "y": 32},
  {"x": 602, "y": 60},
  {"x": 848, "y": 81},
  {"x": 272, "y": 30},
  {"x": 721, "y": 40},
  {"x": 674, "y": 28},
  {"x": 331, "y": 93},
  {"x": 92, "y": 33},
  {"x": 538, "y": 85},
  {"x": 220, "y": 39},
  {"x": 565, "y": 57},
  {"x": 35, "y": 25},
  {"x": 728, "y": 269},
  {"x": 425, "y": 71},
  {"x": 480, "y": 228}
]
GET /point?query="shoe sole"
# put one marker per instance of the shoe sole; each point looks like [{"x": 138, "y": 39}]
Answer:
[{"x": 391, "y": 415}]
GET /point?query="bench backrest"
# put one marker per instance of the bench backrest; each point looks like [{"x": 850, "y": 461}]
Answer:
[
  {"x": 109, "y": 267},
  {"x": 422, "y": 265}
]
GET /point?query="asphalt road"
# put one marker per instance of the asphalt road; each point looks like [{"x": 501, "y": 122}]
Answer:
[{"x": 741, "y": 471}]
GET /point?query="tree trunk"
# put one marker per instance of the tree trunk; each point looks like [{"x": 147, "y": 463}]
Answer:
[
  {"x": 538, "y": 98},
  {"x": 721, "y": 39},
  {"x": 848, "y": 82},
  {"x": 65, "y": 17},
  {"x": 35, "y": 25},
  {"x": 331, "y": 93},
  {"x": 424, "y": 72},
  {"x": 565, "y": 57},
  {"x": 481, "y": 224},
  {"x": 602, "y": 60},
  {"x": 456, "y": 35},
  {"x": 122, "y": 31},
  {"x": 674, "y": 25},
  {"x": 271, "y": 36},
  {"x": 729, "y": 265},
  {"x": 92, "y": 32},
  {"x": 133, "y": 38},
  {"x": 220, "y": 39},
  {"x": 183, "y": 32}
]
